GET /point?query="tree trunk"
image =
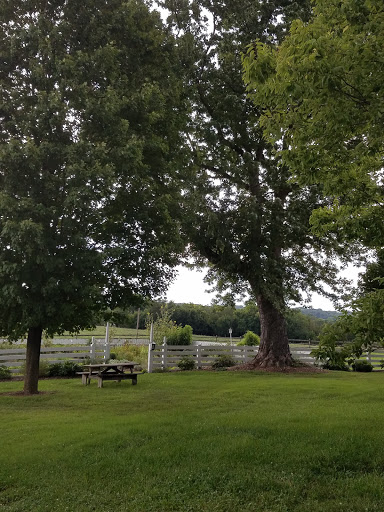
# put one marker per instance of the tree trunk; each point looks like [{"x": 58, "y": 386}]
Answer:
[
  {"x": 31, "y": 377},
  {"x": 274, "y": 347}
]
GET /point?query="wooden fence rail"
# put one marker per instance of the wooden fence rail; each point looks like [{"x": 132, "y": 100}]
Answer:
[
  {"x": 166, "y": 356},
  {"x": 14, "y": 358}
]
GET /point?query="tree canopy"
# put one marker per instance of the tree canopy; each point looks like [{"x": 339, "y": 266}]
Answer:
[
  {"x": 89, "y": 126},
  {"x": 321, "y": 92}
]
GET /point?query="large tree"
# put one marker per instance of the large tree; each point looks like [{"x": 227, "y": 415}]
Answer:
[
  {"x": 322, "y": 92},
  {"x": 246, "y": 216},
  {"x": 89, "y": 122}
]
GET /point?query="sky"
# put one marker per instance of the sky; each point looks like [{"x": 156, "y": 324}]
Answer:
[{"x": 190, "y": 287}]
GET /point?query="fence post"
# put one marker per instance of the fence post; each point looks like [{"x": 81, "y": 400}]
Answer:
[
  {"x": 198, "y": 357},
  {"x": 92, "y": 351},
  {"x": 107, "y": 352},
  {"x": 151, "y": 347},
  {"x": 232, "y": 351},
  {"x": 164, "y": 353},
  {"x": 368, "y": 357},
  {"x": 107, "y": 333}
]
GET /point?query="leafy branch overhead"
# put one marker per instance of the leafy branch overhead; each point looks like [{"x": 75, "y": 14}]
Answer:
[{"x": 321, "y": 93}]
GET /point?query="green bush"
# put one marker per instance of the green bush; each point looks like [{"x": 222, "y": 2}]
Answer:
[
  {"x": 5, "y": 372},
  {"x": 341, "y": 367},
  {"x": 331, "y": 357},
  {"x": 362, "y": 366},
  {"x": 185, "y": 335},
  {"x": 187, "y": 363},
  {"x": 64, "y": 369},
  {"x": 179, "y": 335},
  {"x": 223, "y": 361},
  {"x": 250, "y": 339}
]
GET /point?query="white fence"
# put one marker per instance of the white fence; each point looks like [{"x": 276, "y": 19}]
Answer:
[
  {"x": 375, "y": 358},
  {"x": 159, "y": 356},
  {"x": 14, "y": 358},
  {"x": 167, "y": 356},
  {"x": 85, "y": 341}
]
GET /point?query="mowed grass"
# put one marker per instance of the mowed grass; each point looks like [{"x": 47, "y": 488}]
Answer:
[
  {"x": 196, "y": 441},
  {"x": 99, "y": 332}
]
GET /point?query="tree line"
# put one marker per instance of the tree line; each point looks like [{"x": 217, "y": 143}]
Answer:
[{"x": 216, "y": 320}]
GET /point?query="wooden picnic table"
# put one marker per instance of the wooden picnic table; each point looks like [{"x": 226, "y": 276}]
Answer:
[{"x": 109, "y": 371}]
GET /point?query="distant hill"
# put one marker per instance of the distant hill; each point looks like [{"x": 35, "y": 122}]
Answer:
[{"x": 320, "y": 313}]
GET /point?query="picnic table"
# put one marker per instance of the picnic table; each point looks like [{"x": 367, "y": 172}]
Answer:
[{"x": 109, "y": 371}]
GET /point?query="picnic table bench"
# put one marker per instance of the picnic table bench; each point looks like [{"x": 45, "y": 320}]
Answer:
[{"x": 109, "y": 371}]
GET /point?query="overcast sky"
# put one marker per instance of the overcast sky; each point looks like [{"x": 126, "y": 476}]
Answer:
[{"x": 189, "y": 287}]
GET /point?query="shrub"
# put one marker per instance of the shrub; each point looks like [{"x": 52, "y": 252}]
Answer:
[
  {"x": 173, "y": 336},
  {"x": 223, "y": 361},
  {"x": 341, "y": 367},
  {"x": 330, "y": 357},
  {"x": 162, "y": 325},
  {"x": 179, "y": 335},
  {"x": 250, "y": 339},
  {"x": 187, "y": 363},
  {"x": 64, "y": 369},
  {"x": 362, "y": 366},
  {"x": 5, "y": 372},
  {"x": 185, "y": 335}
]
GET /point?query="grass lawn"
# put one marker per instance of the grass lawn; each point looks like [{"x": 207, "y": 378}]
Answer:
[
  {"x": 225, "y": 441},
  {"x": 99, "y": 332}
]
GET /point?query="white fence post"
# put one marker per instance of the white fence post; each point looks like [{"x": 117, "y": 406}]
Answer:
[
  {"x": 107, "y": 333},
  {"x": 198, "y": 357},
  {"x": 107, "y": 348},
  {"x": 368, "y": 357},
  {"x": 164, "y": 353},
  {"x": 107, "y": 351},
  {"x": 151, "y": 347},
  {"x": 92, "y": 352}
]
